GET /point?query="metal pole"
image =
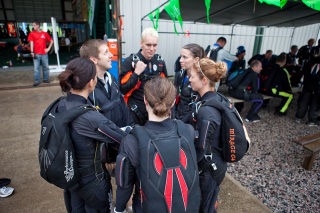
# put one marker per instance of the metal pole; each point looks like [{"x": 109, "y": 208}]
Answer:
[
  {"x": 119, "y": 39},
  {"x": 292, "y": 34},
  {"x": 108, "y": 21},
  {"x": 232, "y": 29}
]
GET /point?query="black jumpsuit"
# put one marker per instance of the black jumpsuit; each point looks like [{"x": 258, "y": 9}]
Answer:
[
  {"x": 129, "y": 147},
  {"x": 129, "y": 81},
  {"x": 111, "y": 103},
  {"x": 208, "y": 122},
  {"x": 86, "y": 132},
  {"x": 249, "y": 86},
  {"x": 186, "y": 96}
]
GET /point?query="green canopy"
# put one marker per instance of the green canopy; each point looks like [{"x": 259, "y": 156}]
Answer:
[{"x": 280, "y": 13}]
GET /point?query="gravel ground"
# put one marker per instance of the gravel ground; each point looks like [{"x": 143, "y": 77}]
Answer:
[{"x": 272, "y": 169}]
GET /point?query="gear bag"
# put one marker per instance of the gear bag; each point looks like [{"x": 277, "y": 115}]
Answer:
[
  {"x": 234, "y": 137},
  {"x": 58, "y": 164},
  {"x": 235, "y": 78},
  {"x": 213, "y": 53},
  {"x": 168, "y": 170}
]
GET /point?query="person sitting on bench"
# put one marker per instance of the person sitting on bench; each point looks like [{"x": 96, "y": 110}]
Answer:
[
  {"x": 281, "y": 86},
  {"x": 248, "y": 91}
]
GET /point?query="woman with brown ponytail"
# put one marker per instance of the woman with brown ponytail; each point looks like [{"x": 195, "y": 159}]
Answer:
[
  {"x": 88, "y": 132},
  {"x": 158, "y": 158},
  {"x": 204, "y": 76}
]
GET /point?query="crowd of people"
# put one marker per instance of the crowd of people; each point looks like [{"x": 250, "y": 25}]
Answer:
[
  {"x": 147, "y": 123},
  {"x": 157, "y": 160},
  {"x": 276, "y": 75}
]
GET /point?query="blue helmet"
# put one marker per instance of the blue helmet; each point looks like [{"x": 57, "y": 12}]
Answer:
[{"x": 240, "y": 49}]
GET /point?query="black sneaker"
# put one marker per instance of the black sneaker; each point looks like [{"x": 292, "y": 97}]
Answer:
[
  {"x": 311, "y": 123},
  {"x": 278, "y": 113},
  {"x": 254, "y": 119},
  {"x": 4, "y": 182},
  {"x": 47, "y": 81},
  {"x": 297, "y": 120},
  {"x": 36, "y": 83}
]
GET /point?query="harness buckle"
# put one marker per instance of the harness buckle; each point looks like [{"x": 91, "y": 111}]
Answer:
[
  {"x": 134, "y": 107},
  {"x": 100, "y": 176},
  {"x": 209, "y": 158}
]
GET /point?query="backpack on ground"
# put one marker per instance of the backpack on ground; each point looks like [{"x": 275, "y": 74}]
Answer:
[
  {"x": 234, "y": 136},
  {"x": 58, "y": 164},
  {"x": 235, "y": 78},
  {"x": 213, "y": 53},
  {"x": 168, "y": 170}
]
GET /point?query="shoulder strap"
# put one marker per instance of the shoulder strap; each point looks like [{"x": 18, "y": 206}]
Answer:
[
  {"x": 218, "y": 104},
  {"x": 135, "y": 58},
  {"x": 224, "y": 105},
  {"x": 70, "y": 115},
  {"x": 182, "y": 128},
  {"x": 52, "y": 106},
  {"x": 213, "y": 50},
  {"x": 159, "y": 58}
]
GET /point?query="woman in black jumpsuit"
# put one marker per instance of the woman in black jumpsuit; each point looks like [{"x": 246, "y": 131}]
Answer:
[
  {"x": 94, "y": 193},
  {"x": 189, "y": 55},
  {"x": 134, "y": 166},
  {"x": 202, "y": 80}
]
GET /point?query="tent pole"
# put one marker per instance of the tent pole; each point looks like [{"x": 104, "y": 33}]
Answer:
[
  {"x": 231, "y": 39},
  {"x": 293, "y": 31},
  {"x": 258, "y": 41},
  {"x": 119, "y": 36}
]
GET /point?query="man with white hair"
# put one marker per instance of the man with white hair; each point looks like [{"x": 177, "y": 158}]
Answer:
[{"x": 137, "y": 69}]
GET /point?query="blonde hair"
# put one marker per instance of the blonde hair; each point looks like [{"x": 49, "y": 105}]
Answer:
[
  {"x": 160, "y": 93},
  {"x": 149, "y": 32},
  {"x": 213, "y": 71}
]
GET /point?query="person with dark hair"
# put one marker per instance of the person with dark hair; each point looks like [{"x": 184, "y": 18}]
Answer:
[
  {"x": 240, "y": 63},
  {"x": 222, "y": 54},
  {"x": 267, "y": 60},
  {"x": 189, "y": 55},
  {"x": 23, "y": 46},
  {"x": 137, "y": 69},
  {"x": 292, "y": 66},
  {"x": 89, "y": 133},
  {"x": 308, "y": 101},
  {"x": 106, "y": 97},
  {"x": 305, "y": 52},
  {"x": 39, "y": 52},
  {"x": 159, "y": 158},
  {"x": 203, "y": 79},
  {"x": 248, "y": 91},
  {"x": 281, "y": 86},
  {"x": 315, "y": 51}
]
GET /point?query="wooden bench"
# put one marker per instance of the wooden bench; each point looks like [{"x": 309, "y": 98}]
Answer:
[
  {"x": 235, "y": 100},
  {"x": 311, "y": 147},
  {"x": 296, "y": 89}
]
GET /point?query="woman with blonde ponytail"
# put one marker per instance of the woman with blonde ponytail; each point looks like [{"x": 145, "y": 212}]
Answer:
[{"x": 212, "y": 166}]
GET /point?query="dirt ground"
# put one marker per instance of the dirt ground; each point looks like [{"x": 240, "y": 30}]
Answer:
[{"x": 21, "y": 111}]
